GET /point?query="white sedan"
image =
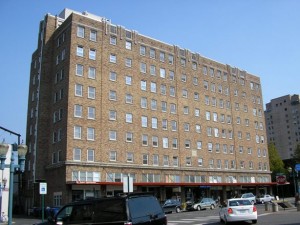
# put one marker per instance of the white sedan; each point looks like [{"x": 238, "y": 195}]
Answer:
[{"x": 238, "y": 209}]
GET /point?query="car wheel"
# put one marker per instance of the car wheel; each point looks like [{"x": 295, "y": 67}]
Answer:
[
  {"x": 178, "y": 210},
  {"x": 225, "y": 220},
  {"x": 212, "y": 206},
  {"x": 198, "y": 207},
  {"x": 262, "y": 201},
  {"x": 254, "y": 221}
]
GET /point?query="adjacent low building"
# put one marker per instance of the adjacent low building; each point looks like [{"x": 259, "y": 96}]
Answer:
[{"x": 106, "y": 102}]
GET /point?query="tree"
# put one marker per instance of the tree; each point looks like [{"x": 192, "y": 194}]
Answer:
[{"x": 276, "y": 163}]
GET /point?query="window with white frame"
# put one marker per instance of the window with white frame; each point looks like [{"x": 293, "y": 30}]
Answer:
[
  {"x": 92, "y": 54},
  {"x": 185, "y": 110},
  {"x": 144, "y": 139},
  {"x": 154, "y": 122},
  {"x": 153, "y": 104},
  {"x": 112, "y": 135},
  {"x": 91, "y": 112},
  {"x": 113, "y": 40},
  {"x": 187, "y": 143},
  {"x": 129, "y": 157},
  {"x": 77, "y": 132},
  {"x": 93, "y": 35},
  {"x": 79, "y": 51},
  {"x": 161, "y": 56},
  {"x": 112, "y": 115},
  {"x": 152, "y": 53},
  {"x": 175, "y": 161},
  {"x": 128, "y": 118},
  {"x": 143, "y": 102},
  {"x": 143, "y": 85},
  {"x": 186, "y": 126},
  {"x": 166, "y": 160},
  {"x": 128, "y": 45},
  {"x": 198, "y": 128},
  {"x": 199, "y": 144},
  {"x": 171, "y": 59},
  {"x": 112, "y": 76},
  {"x": 173, "y": 125},
  {"x": 143, "y": 50},
  {"x": 184, "y": 93},
  {"x": 79, "y": 70},
  {"x": 163, "y": 89},
  {"x": 154, "y": 141},
  {"x": 112, "y": 95},
  {"x": 128, "y": 99},
  {"x": 207, "y": 115},
  {"x": 128, "y": 80},
  {"x": 153, "y": 87},
  {"x": 91, "y": 92},
  {"x": 90, "y": 155},
  {"x": 164, "y": 106},
  {"x": 129, "y": 137},
  {"x": 144, "y": 121},
  {"x": 188, "y": 161},
  {"x": 172, "y": 91},
  {"x": 92, "y": 73},
  {"x": 77, "y": 154},
  {"x": 78, "y": 90},
  {"x": 80, "y": 31},
  {"x": 152, "y": 70},
  {"x": 162, "y": 72},
  {"x": 143, "y": 67},
  {"x": 209, "y": 146},
  {"x": 113, "y": 156},
  {"x": 145, "y": 159},
  {"x": 164, "y": 123},
  {"x": 77, "y": 110},
  {"x": 113, "y": 58},
  {"x": 155, "y": 160},
  {"x": 165, "y": 142},
  {"x": 128, "y": 62},
  {"x": 174, "y": 143}
]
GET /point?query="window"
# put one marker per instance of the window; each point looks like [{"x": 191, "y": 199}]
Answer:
[
  {"x": 175, "y": 161},
  {"x": 171, "y": 75},
  {"x": 172, "y": 91},
  {"x": 128, "y": 118},
  {"x": 91, "y": 133},
  {"x": 112, "y": 156},
  {"x": 78, "y": 110},
  {"x": 128, "y": 80},
  {"x": 92, "y": 54},
  {"x": 145, "y": 140},
  {"x": 143, "y": 67},
  {"x": 152, "y": 70},
  {"x": 113, "y": 58},
  {"x": 113, "y": 40},
  {"x": 197, "y": 112},
  {"x": 142, "y": 50},
  {"x": 185, "y": 110},
  {"x": 91, "y": 112},
  {"x": 171, "y": 59},
  {"x": 187, "y": 143},
  {"x": 162, "y": 73},
  {"x": 162, "y": 56},
  {"x": 183, "y": 77},
  {"x": 91, "y": 92},
  {"x": 77, "y": 132},
  {"x": 80, "y": 31},
  {"x": 143, "y": 85},
  {"x": 143, "y": 102},
  {"x": 164, "y": 124},
  {"x": 129, "y": 157},
  {"x": 165, "y": 141},
  {"x": 199, "y": 144},
  {"x": 173, "y": 108},
  {"x": 77, "y": 154},
  {"x": 112, "y": 115},
  {"x": 153, "y": 87},
  {"x": 79, "y": 51},
  {"x": 163, "y": 89},
  {"x": 92, "y": 73},
  {"x": 184, "y": 93},
  {"x": 145, "y": 159},
  {"x": 128, "y": 62},
  {"x": 188, "y": 161},
  {"x": 112, "y": 95},
  {"x": 93, "y": 35},
  {"x": 155, "y": 160},
  {"x": 164, "y": 106},
  {"x": 154, "y": 141},
  {"x": 128, "y": 45},
  {"x": 144, "y": 121},
  {"x": 198, "y": 128},
  {"x": 207, "y": 115},
  {"x": 112, "y": 135},
  {"x": 129, "y": 136},
  {"x": 186, "y": 127},
  {"x": 152, "y": 53},
  {"x": 112, "y": 76},
  {"x": 174, "y": 143},
  {"x": 174, "y": 125},
  {"x": 154, "y": 122},
  {"x": 79, "y": 70},
  {"x": 128, "y": 99},
  {"x": 166, "y": 160}
]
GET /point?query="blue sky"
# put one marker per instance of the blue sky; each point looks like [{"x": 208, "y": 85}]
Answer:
[{"x": 259, "y": 36}]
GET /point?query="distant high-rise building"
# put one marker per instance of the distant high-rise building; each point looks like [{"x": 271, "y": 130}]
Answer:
[
  {"x": 107, "y": 103},
  {"x": 283, "y": 124}
]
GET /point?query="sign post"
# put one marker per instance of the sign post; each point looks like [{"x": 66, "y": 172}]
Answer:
[
  {"x": 127, "y": 184},
  {"x": 43, "y": 192}
]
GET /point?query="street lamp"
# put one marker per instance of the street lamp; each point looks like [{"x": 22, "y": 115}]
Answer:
[
  {"x": 292, "y": 172},
  {"x": 13, "y": 166}
]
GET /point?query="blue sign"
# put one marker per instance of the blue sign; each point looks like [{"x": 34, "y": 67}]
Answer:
[{"x": 297, "y": 167}]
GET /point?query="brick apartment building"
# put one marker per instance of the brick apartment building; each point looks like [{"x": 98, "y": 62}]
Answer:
[{"x": 106, "y": 102}]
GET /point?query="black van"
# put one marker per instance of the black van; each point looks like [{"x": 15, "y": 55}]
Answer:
[{"x": 133, "y": 209}]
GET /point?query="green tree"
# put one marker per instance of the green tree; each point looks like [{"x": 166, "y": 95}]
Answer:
[{"x": 276, "y": 163}]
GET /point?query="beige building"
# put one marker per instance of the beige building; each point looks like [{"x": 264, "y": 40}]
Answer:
[
  {"x": 283, "y": 124},
  {"x": 106, "y": 102}
]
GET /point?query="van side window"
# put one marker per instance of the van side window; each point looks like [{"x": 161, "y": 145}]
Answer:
[
  {"x": 110, "y": 211},
  {"x": 76, "y": 214}
]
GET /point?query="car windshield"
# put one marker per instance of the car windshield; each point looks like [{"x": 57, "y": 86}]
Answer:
[{"x": 239, "y": 202}]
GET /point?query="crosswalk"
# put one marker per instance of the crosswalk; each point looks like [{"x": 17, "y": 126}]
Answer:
[{"x": 195, "y": 220}]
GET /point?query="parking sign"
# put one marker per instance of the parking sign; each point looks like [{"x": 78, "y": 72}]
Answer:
[{"x": 43, "y": 188}]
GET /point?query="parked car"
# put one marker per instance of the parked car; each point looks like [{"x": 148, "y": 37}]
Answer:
[
  {"x": 265, "y": 198},
  {"x": 204, "y": 203},
  {"x": 238, "y": 209},
  {"x": 172, "y": 205},
  {"x": 133, "y": 209},
  {"x": 250, "y": 196}
]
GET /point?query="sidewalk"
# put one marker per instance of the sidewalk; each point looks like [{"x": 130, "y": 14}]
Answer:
[{"x": 23, "y": 221}]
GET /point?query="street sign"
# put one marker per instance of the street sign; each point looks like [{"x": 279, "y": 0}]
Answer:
[
  {"x": 281, "y": 179},
  {"x": 297, "y": 167},
  {"x": 43, "y": 188},
  {"x": 127, "y": 184}
]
